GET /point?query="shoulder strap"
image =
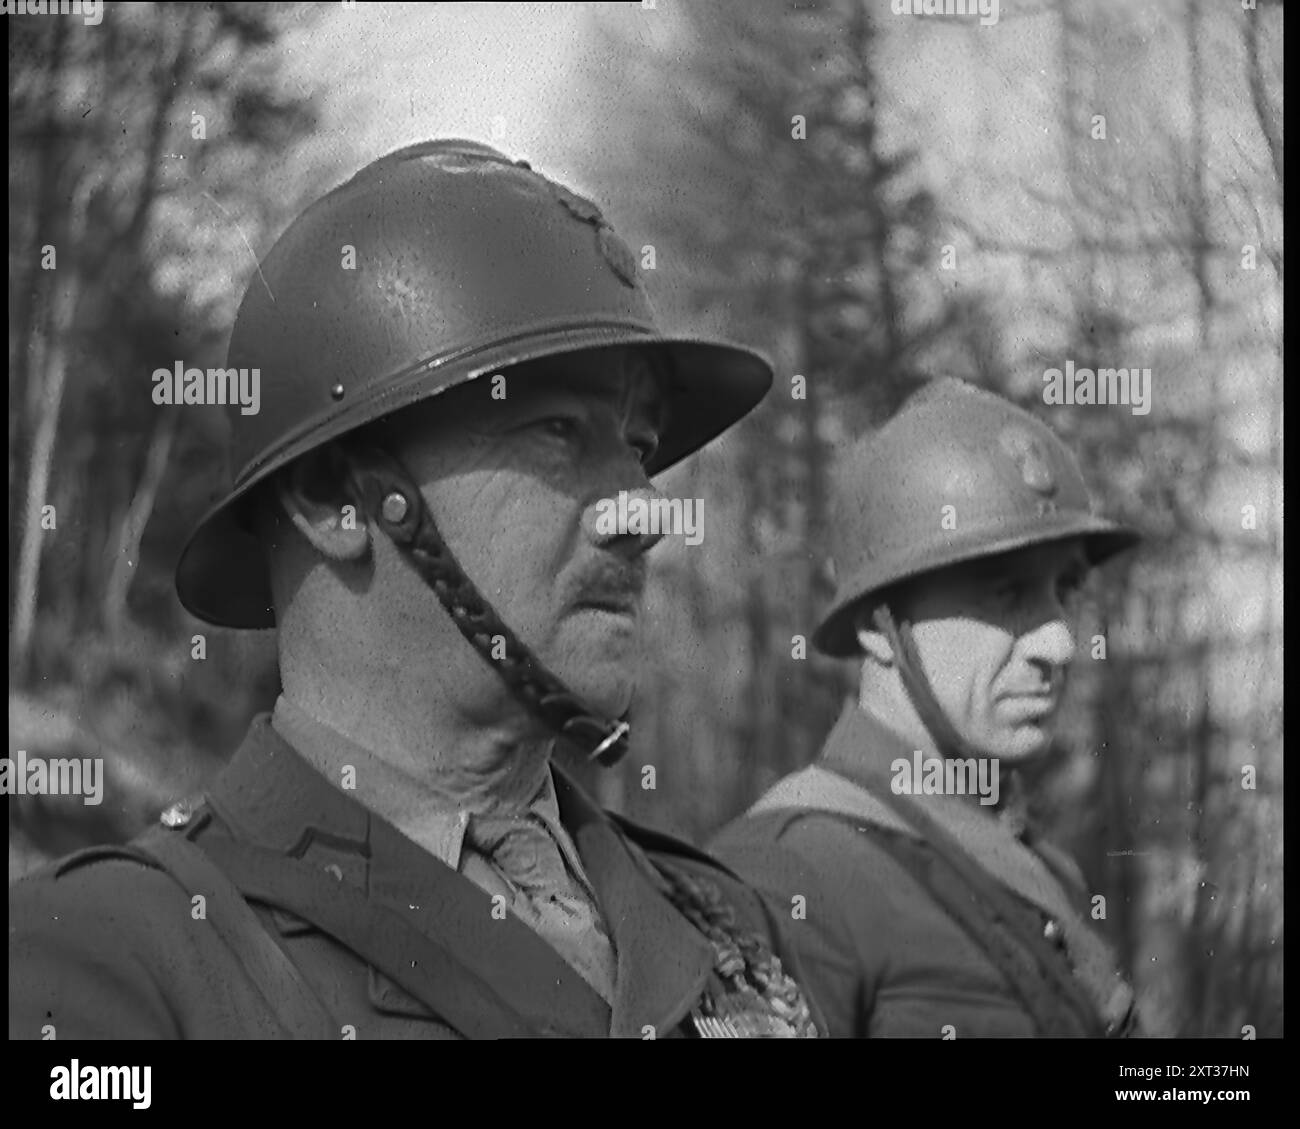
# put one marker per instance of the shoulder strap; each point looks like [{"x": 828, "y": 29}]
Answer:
[
  {"x": 275, "y": 976},
  {"x": 1045, "y": 990},
  {"x": 989, "y": 912},
  {"x": 420, "y": 965},
  {"x": 1034, "y": 974}
]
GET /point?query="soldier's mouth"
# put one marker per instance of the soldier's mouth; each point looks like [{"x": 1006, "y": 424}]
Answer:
[
  {"x": 1035, "y": 705},
  {"x": 628, "y": 605},
  {"x": 618, "y": 591}
]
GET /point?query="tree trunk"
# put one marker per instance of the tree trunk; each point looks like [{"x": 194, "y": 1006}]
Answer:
[
  {"x": 63, "y": 309},
  {"x": 126, "y": 558}
]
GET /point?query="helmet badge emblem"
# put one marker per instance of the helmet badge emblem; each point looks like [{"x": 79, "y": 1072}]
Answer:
[
  {"x": 614, "y": 251},
  {"x": 1024, "y": 449}
]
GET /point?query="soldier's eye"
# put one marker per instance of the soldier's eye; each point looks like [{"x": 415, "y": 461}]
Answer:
[
  {"x": 1007, "y": 591},
  {"x": 562, "y": 427},
  {"x": 1069, "y": 587}
]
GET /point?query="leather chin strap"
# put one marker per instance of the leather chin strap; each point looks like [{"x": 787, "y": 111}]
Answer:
[
  {"x": 393, "y": 502},
  {"x": 949, "y": 742}
]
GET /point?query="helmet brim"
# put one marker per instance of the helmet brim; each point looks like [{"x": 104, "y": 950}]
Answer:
[
  {"x": 836, "y": 636},
  {"x": 221, "y": 575}
]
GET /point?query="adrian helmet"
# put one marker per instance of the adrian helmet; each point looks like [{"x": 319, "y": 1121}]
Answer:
[
  {"x": 437, "y": 264},
  {"x": 957, "y": 474}
]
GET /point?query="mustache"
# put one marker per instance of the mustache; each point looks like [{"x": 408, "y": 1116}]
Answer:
[{"x": 611, "y": 584}]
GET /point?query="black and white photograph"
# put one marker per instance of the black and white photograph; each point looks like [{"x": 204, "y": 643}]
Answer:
[{"x": 682, "y": 519}]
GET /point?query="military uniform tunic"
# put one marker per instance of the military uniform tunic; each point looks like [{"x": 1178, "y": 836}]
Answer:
[
  {"x": 108, "y": 944},
  {"x": 882, "y": 954}
]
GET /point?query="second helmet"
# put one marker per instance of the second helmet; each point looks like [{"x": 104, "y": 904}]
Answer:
[{"x": 957, "y": 474}]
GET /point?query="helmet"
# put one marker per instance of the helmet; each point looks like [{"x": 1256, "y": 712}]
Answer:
[
  {"x": 957, "y": 474},
  {"x": 465, "y": 263}
]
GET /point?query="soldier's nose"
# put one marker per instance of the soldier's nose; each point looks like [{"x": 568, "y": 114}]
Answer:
[
  {"x": 1051, "y": 644},
  {"x": 627, "y": 521}
]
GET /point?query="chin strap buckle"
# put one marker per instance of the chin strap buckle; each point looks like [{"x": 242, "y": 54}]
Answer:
[{"x": 604, "y": 742}]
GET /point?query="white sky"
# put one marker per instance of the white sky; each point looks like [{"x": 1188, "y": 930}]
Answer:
[{"x": 399, "y": 73}]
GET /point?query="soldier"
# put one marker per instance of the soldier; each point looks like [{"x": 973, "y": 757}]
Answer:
[
  {"x": 962, "y": 530},
  {"x": 392, "y": 852}
]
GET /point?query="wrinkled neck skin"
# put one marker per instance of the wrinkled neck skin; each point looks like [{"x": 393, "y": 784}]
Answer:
[{"x": 451, "y": 728}]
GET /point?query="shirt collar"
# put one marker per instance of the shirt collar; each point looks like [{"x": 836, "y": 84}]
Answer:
[{"x": 425, "y": 816}]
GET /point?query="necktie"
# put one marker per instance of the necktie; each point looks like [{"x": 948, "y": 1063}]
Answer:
[{"x": 544, "y": 895}]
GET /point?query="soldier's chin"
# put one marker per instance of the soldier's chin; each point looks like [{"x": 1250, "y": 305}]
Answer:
[
  {"x": 603, "y": 677},
  {"x": 605, "y": 687},
  {"x": 1025, "y": 743},
  {"x": 600, "y": 665}
]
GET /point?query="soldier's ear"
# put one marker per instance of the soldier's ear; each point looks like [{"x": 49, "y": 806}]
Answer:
[
  {"x": 313, "y": 491},
  {"x": 875, "y": 647}
]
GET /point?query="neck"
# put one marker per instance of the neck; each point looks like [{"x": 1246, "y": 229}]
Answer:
[
  {"x": 441, "y": 749},
  {"x": 896, "y": 713}
]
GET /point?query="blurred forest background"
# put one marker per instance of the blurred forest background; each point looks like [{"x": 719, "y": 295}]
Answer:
[{"x": 953, "y": 207}]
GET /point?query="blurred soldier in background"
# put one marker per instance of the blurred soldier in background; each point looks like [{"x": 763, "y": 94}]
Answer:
[
  {"x": 458, "y": 363},
  {"x": 962, "y": 530}
]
